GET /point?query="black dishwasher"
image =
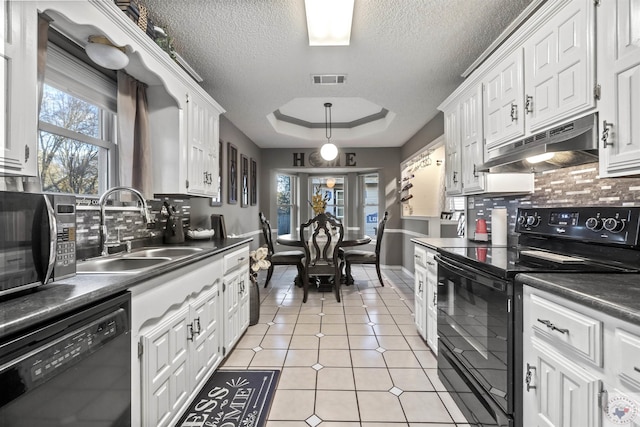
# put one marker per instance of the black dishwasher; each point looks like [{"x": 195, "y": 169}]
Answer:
[{"x": 75, "y": 371}]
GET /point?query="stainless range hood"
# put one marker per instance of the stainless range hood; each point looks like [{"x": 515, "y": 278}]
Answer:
[{"x": 571, "y": 144}]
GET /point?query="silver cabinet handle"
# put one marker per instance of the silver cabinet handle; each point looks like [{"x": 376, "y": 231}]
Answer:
[
  {"x": 606, "y": 127},
  {"x": 514, "y": 112},
  {"x": 553, "y": 327},
  {"x": 528, "y": 104},
  {"x": 527, "y": 379},
  {"x": 635, "y": 368},
  {"x": 420, "y": 286},
  {"x": 435, "y": 299},
  {"x": 455, "y": 177},
  {"x": 198, "y": 326}
]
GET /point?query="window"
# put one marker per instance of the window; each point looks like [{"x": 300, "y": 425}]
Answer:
[
  {"x": 76, "y": 138},
  {"x": 369, "y": 189},
  {"x": 333, "y": 189},
  {"x": 285, "y": 202}
]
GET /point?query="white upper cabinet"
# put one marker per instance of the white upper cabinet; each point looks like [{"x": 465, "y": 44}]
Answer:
[
  {"x": 453, "y": 176},
  {"x": 503, "y": 102},
  {"x": 471, "y": 140},
  {"x": 202, "y": 136},
  {"x": 549, "y": 76},
  {"x": 19, "y": 117},
  {"x": 619, "y": 76},
  {"x": 558, "y": 65}
]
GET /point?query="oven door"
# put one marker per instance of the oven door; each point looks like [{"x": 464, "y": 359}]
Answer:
[{"x": 476, "y": 329}]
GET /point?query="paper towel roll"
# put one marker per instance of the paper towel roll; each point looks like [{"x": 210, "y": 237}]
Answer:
[{"x": 499, "y": 226}]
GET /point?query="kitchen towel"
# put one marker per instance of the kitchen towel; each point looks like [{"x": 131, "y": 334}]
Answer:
[{"x": 499, "y": 226}]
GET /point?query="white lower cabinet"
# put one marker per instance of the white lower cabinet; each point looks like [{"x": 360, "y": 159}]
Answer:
[
  {"x": 183, "y": 325},
  {"x": 425, "y": 295},
  {"x": 581, "y": 367},
  {"x": 236, "y": 296}
]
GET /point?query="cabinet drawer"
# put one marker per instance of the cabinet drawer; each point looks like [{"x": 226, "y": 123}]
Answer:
[
  {"x": 628, "y": 350},
  {"x": 420, "y": 256},
  {"x": 570, "y": 330},
  {"x": 235, "y": 259}
]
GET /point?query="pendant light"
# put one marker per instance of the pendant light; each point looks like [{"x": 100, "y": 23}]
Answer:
[
  {"x": 328, "y": 151},
  {"x": 101, "y": 51}
]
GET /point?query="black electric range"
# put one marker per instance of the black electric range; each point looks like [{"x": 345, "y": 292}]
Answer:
[{"x": 479, "y": 306}]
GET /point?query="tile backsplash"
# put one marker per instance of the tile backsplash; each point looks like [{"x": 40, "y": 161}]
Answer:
[
  {"x": 123, "y": 223},
  {"x": 575, "y": 186}
]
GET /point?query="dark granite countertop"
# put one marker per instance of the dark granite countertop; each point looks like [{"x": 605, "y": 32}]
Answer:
[
  {"x": 448, "y": 242},
  {"x": 615, "y": 294},
  {"x": 27, "y": 309}
]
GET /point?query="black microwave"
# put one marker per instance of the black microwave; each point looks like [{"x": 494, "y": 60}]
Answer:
[{"x": 37, "y": 239}]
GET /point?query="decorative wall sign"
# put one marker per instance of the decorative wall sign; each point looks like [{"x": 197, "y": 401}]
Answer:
[
  {"x": 217, "y": 201},
  {"x": 254, "y": 183},
  {"x": 314, "y": 159},
  {"x": 244, "y": 180},
  {"x": 232, "y": 168}
]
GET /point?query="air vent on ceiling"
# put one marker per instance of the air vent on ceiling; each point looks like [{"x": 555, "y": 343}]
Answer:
[{"x": 328, "y": 79}]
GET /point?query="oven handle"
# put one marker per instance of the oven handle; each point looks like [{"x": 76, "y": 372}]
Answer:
[{"x": 471, "y": 273}]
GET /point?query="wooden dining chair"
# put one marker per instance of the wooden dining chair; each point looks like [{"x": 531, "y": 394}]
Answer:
[
  {"x": 280, "y": 258},
  {"x": 321, "y": 237},
  {"x": 367, "y": 257}
]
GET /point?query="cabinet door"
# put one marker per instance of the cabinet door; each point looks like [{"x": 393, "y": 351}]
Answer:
[
  {"x": 207, "y": 320},
  {"x": 231, "y": 296},
  {"x": 18, "y": 84},
  {"x": 562, "y": 393},
  {"x": 559, "y": 72},
  {"x": 503, "y": 104},
  {"x": 165, "y": 369},
  {"x": 471, "y": 141},
  {"x": 619, "y": 75},
  {"x": 243, "y": 300},
  {"x": 453, "y": 178},
  {"x": 202, "y": 134},
  {"x": 420, "y": 291}
]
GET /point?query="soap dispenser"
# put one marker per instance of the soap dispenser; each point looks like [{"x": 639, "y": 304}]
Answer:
[{"x": 173, "y": 232}]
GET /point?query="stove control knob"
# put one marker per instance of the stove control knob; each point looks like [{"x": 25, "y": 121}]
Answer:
[
  {"x": 522, "y": 220},
  {"x": 613, "y": 224},
  {"x": 594, "y": 224},
  {"x": 533, "y": 220}
]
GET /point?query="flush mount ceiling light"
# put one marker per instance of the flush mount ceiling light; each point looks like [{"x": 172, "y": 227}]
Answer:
[
  {"x": 101, "y": 51},
  {"x": 540, "y": 158},
  {"x": 329, "y": 22},
  {"x": 328, "y": 151}
]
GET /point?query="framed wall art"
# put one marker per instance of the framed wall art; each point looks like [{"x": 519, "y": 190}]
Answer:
[
  {"x": 217, "y": 200},
  {"x": 244, "y": 180},
  {"x": 253, "y": 188},
  {"x": 232, "y": 169}
]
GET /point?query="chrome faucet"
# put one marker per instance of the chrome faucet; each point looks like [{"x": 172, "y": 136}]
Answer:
[{"x": 103, "y": 226}]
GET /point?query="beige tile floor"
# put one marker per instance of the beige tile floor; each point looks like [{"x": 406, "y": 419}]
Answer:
[{"x": 359, "y": 362}]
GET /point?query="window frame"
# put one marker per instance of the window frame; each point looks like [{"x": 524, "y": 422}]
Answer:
[
  {"x": 362, "y": 210},
  {"x": 293, "y": 206},
  {"x": 90, "y": 85}
]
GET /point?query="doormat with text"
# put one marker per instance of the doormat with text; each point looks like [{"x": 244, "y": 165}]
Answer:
[{"x": 233, "y": 398}]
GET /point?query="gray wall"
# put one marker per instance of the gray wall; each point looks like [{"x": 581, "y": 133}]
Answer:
[
  {"x": 239, "y": 220},
  {"x": 417, "y": 227}
]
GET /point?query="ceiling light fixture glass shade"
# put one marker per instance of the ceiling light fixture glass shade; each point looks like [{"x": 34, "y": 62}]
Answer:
[
  {"x": 329, "y": 22},
  {"x": 101, "y": 51},
  {"x": 328, "y": 151}
]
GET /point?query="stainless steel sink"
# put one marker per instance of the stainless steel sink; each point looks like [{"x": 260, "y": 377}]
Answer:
[
  {"x": 120, "y": 265},
  {"x": 170, "y": 252}
]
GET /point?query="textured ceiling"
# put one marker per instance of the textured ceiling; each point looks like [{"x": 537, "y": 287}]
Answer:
[{"x": 405, "y": 56}]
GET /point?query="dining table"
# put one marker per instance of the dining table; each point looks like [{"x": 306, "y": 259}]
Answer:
[{"x": 351, "y": 238}]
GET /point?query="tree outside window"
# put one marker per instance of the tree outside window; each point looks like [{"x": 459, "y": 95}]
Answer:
[{"x": 72, "y": 150}]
